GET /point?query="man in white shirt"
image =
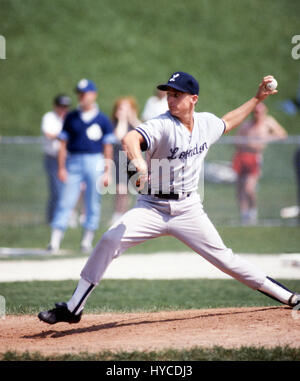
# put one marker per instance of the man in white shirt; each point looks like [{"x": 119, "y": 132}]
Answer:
[
  {"x": 51, "y": 126},
  {"x": 178, "y": 140},
  {"x": 155, "y": 105}
]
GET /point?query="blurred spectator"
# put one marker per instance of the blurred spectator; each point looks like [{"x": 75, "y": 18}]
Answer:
[
  {"x": 78, "y": 216},
  {"x": 297, "y": 169},
  {"x": 291, "y": 106},
  {"x": 254, "y": 136},
  {"x": 85, "y": 145},
  {"x": 155, "y": 105},
  {"x": 294, "y": 210},
  {"x": 125, "y": 119},
  {"x": 51, "y": 127}
]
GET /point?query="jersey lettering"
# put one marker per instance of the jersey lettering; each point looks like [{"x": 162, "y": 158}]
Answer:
[{"x": 197, "y": 150}]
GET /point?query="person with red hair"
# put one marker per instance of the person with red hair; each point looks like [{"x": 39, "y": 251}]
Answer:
[{"x": 124, "y": 119}]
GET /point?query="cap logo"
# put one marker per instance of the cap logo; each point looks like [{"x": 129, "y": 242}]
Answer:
[
  {"x": 82, "y": 83},
  {"x": 174, "y": 76}
]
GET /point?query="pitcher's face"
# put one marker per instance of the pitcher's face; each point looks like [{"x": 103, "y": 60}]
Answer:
[{"x": 180, "y": 103}]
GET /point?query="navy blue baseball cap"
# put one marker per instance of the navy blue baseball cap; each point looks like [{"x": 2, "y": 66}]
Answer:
[
  {"x": 181, "y": 81},
  {"x": 62, "y": 100},
  {"x": 85, "y": 85}
]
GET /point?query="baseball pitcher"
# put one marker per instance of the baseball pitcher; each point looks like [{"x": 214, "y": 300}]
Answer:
[{"x": 169, "y": 203}]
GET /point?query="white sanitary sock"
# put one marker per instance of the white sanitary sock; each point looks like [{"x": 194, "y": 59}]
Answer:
[
  {"x": 80, "y": 295},
  {"x": 56, "y": 238},
  {"x": 87, "y": 238},
  {"x": 276, "y": 290}
]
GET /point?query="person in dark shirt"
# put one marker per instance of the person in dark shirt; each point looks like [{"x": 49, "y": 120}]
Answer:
[{"x": 84, "y": 156}]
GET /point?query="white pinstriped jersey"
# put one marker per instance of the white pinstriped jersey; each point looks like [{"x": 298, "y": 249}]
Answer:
[{"x": 175, "y": 155}]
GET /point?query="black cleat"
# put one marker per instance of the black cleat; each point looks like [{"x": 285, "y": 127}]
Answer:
[
  {"x": 294, "y": 300},
  {"x": 59, "y": 314}
]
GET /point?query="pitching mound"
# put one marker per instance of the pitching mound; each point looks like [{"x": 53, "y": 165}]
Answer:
[{"x": 227, "y": 327}]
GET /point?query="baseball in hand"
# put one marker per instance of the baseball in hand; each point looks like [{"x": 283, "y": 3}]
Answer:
[{"x": 272, "y": 85}]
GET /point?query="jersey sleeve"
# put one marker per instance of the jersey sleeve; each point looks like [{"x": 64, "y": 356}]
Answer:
[
  {"x": 65, "y": 132},
  {"x": 46, "y": 124},
  {"x": 152, "y": 131},
  {"x": 215, "y": 127},
  {"x": 50, "y": 125}
]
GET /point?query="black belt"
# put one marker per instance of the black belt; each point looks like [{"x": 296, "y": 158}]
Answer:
[{"x": 169, "y": 196}]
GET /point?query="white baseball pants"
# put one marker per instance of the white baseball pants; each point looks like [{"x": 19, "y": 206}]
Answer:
[{"x": 184, "y": 219}]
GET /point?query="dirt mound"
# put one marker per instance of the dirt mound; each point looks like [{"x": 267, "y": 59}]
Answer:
[{"x": 227, "y": 327}]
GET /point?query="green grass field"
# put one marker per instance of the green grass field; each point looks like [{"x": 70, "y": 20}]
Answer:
[
  {"x": 127, "y": 47},
  {"x": 259, "y": 240},
  {"x": 194, "y": 354},
  {"x": 137, "y": 295}
]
